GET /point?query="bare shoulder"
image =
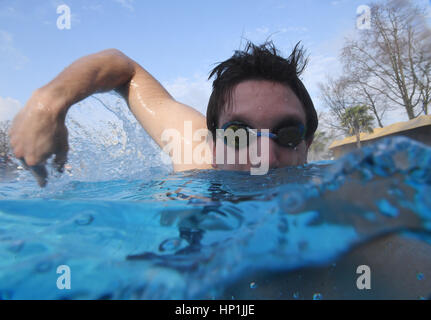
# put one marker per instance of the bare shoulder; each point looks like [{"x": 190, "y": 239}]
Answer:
[{"x": 177, "y": 128}]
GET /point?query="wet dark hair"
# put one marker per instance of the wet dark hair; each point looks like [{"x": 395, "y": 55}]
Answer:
[{"x": 260, "y": 63}]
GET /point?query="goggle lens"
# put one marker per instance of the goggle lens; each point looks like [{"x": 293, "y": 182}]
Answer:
[{"x": 290, "y": 136}]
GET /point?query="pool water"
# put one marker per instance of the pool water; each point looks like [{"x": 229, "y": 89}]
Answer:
[
  {"x": 192, "y": 235},
  {"x": 133, "y": 231}
]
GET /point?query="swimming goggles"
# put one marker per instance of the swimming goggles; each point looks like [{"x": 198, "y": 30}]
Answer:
[{"x": 289, "y": 136}]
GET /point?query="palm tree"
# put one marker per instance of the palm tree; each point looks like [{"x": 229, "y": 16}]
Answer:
[{"x": 356, "y": 120}]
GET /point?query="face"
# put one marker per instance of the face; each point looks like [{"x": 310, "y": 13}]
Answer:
[{"x": 262, "y": 104}]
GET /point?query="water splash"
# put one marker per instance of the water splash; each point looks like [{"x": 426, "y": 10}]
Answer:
[{"x": 128, "y": 231}]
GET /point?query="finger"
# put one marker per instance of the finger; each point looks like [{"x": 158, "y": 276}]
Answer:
[
  {"x": 61, "y": 158},
  {"x": 59, "y": 161},
  {"x": 38, "y": 171},
  {"x": 24, "y": 164}
]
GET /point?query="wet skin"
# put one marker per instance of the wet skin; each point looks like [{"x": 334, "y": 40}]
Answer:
[{"x": 263, "y": 104}]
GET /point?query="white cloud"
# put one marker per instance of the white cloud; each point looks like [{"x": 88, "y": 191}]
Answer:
[
  {"x": 262, "y": 30},
  {"x": 8, "y": 108},
  {"x": 257, "y": 35},
  {"x": 194, "y": 92},
  {"x": 93, "y": 7},
  {"x": 128, "y": 4},
  {"x": 261, "y": 34},
  {"x": 294, "y": 29},
  {"x": 9, "y": 55}
]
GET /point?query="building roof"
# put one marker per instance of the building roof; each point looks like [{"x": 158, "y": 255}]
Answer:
[{"x": 381, "y": 132}]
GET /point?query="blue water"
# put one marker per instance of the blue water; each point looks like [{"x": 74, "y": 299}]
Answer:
[
  {"x": 129, "y": 228},
  {"x": 194, "y": 235}
]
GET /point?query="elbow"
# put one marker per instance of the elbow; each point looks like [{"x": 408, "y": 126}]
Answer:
[
  {"x": 119, "y": 58},
  {"x": 112, "y": 52}
]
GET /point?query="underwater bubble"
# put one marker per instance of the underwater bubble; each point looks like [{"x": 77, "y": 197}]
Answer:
[
  {"x": 291, "y": 201},
  {"x": 317, "y": 296},
  {"x": 84, "y": 219},
  {"x": 16, "y": 246},
  {"x": 420, "y": 276},
  {"x": 253, "y": 285},
  {"x": 43, "y": 266},
  {"x": 170, "y": 244}
]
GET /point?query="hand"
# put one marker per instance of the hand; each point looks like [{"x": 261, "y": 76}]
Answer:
[{"x": 39, "y": 131}]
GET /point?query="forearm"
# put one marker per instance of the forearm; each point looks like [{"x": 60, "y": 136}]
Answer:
[
  {"x": 42, "y": 122},
  {"x": 99, "y": 72}
]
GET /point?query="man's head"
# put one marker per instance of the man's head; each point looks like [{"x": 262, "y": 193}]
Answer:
[{"x": 261, "y": 89}]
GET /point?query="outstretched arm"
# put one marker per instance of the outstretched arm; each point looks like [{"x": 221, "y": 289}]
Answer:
[{"x": 39, "y": 131}]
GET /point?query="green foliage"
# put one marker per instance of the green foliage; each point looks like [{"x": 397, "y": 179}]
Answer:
[{"x": 357, "y": 119}]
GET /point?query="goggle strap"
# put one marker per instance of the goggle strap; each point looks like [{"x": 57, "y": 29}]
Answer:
[{"x": 267, "y": 134}]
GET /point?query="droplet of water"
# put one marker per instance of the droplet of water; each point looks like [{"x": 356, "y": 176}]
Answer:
[
  {"x": 317, "y": 296},
  {"x": 84, "y": 219},
  {"x": 253, "y": 285},
  {"x": 170, "y": 244}
]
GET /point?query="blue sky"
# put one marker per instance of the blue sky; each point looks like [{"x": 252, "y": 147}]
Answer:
[{"x": 176, "y": 41}]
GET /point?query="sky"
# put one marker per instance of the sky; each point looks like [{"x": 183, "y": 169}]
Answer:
[{"x": 178, "y": 42}]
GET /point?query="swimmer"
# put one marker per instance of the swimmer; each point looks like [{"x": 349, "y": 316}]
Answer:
[{"x": 254, "y": 89}]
